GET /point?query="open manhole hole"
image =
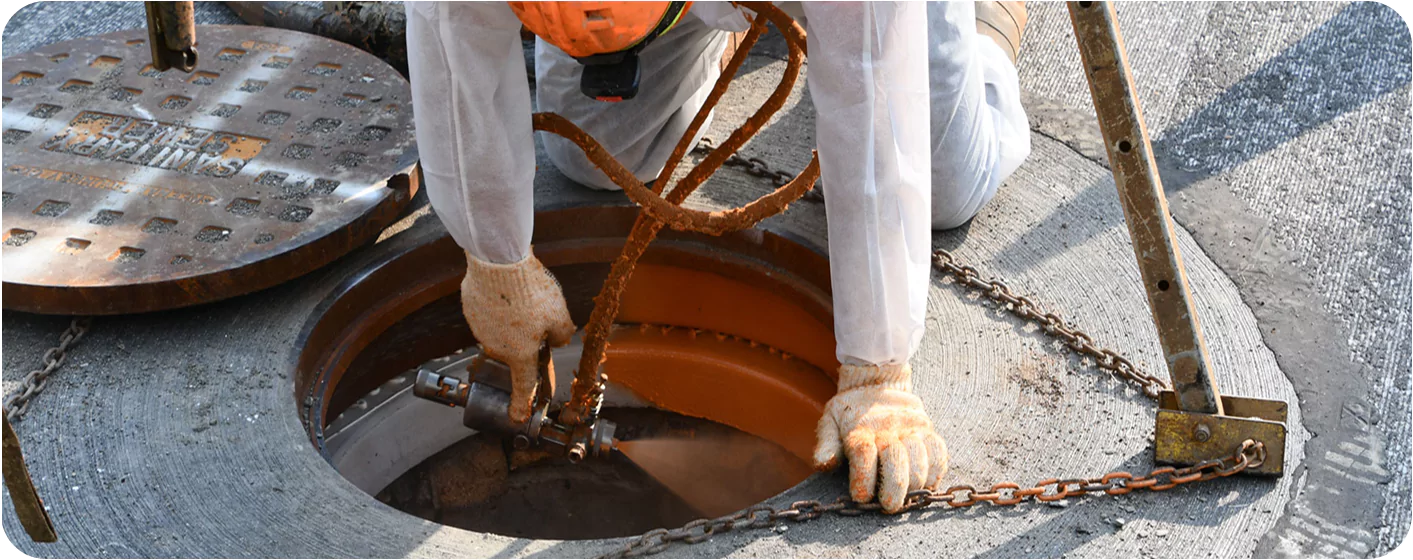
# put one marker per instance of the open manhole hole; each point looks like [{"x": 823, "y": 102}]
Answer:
[
  {"x": 142, "y": 190},
  {"x": 720, "y": 356}
]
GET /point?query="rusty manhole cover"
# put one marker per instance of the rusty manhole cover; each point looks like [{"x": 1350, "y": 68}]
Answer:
[{"x": 127, "y": 189}]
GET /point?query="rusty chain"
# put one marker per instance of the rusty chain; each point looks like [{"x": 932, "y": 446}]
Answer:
[
  {"x": 1251, "y": 454},
  {"x": 759, "y": 168},
  {"x": 18, "y": 401},
  {"x": 1025, "y": 308}
]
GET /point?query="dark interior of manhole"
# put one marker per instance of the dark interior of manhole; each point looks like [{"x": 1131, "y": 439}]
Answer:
[
  {"x": 483, "y": 484},
  {"x": 720, "y": 407}
]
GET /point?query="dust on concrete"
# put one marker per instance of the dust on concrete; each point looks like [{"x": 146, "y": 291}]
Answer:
[{"x": 1036, "y": 379}]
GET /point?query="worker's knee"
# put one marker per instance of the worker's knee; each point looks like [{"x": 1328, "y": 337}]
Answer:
[
  {"x": 960, "y": 190},
  {"x": 951, "y": 222},
  {"x": 961, "y": 186},
  {"x": 952, "y": 207}
]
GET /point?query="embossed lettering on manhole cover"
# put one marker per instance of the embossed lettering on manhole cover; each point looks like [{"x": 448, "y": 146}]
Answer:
[{"x": 127, "y": 189}]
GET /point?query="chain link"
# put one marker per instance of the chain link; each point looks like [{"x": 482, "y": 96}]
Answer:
[
  {"x": 18, "y": 401},
  {"x": 1251, "y": 454},
  {"x": 1026, "y": 308},
  {"x": 759, "y": 168}
]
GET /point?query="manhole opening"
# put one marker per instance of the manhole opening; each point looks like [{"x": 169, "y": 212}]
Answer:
[
  {"x": 717, "y": 379},
  {"x": 482, "y": 483}
]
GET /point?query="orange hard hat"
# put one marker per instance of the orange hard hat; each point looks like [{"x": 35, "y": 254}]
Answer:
[
  {"x": 585, "y": 29},
  {"x": 603, "y": 36}
]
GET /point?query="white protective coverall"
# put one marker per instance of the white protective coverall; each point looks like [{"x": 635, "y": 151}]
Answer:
[{"x": 919, "y": 120}]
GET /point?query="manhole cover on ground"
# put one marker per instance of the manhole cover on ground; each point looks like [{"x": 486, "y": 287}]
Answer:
[{"x": 127, "y": 189}]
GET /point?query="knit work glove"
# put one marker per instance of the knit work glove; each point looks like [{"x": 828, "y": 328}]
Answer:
[
  {"x": 885, "y": 434},
  {"x": 512, "y": 310}
]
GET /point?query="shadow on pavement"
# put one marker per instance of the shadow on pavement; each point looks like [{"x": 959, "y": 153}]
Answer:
[{"x": 1326, "y": 74}]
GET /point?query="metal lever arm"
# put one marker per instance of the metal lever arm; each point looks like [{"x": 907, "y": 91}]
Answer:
[
  {"x": 171, "y": 31},
  {"x": 1145, "y": 207},
  {"x": 28, "y": 507}
]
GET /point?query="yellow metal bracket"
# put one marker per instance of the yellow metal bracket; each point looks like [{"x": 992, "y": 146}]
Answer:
[{"x": 1188, "y": 438}]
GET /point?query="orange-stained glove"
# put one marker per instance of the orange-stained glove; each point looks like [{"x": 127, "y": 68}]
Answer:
[
  {"x": 512, "y": 310},
  {"x": 885, "y": 434}
]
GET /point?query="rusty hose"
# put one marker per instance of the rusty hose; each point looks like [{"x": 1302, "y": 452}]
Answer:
[{"x": 587, "y": 388}]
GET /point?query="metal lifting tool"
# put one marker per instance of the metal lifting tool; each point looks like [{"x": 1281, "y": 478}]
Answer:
[
  {"x": 486, "y": 398},
  {"x": 1195, "y": 422},
  {"x": 28, "y": 507},
  {"x": 171, "y": 31}
]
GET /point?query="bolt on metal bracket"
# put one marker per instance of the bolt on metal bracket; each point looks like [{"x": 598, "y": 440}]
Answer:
[
  {"x": 1195, "y": 422},
  {"x": 1188, "y": 438}
]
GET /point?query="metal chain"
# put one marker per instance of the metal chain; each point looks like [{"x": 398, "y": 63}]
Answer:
[
  {"x": 759, "y": 168},
  {"x": 18, "y": 401},
  {"x": 994, "y": 289},
  {"x": 1025, "y": 308},
  {"x": 1251, "y": 454}
]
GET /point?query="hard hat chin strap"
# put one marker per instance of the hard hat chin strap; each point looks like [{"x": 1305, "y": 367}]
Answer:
[{"x": 614, "y": 76}]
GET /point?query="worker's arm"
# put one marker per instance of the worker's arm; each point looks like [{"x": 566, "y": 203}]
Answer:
[
  {"x": 471, "y": 104},
  {"x": 868, "y": 76},
  {"x": 472, "y": 109}
]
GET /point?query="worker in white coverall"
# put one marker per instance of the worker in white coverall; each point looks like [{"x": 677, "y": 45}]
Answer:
[{"x": 919, "y": 120}]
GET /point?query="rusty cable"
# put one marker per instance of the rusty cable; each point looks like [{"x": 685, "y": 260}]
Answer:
[
  {"x": 588, "y": 384},
  {"x": 664, "y": 211},
  {"x": 733, "y": 66}
]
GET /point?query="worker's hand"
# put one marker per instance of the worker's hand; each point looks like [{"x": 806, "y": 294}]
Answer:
[
  {"x": 512, "y": 310},
  {"x": 881, "y": 427}
]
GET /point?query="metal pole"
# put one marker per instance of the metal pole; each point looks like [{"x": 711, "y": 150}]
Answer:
[
  {"x": 28, "y": 507},
  {"x": 171, "y": 31},
  {"x": 1101, "y": 48}
]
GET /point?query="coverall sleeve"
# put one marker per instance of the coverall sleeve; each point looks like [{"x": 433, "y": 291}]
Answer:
[
  {"x": 868, "y": 75},
  {"x": 471, "y": 105}
]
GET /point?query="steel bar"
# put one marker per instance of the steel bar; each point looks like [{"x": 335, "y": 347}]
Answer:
[
  {"x": 1145, "y": 208},
  {"x": 171, "y": 31},
  {"x": 28, "y": 507}
]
